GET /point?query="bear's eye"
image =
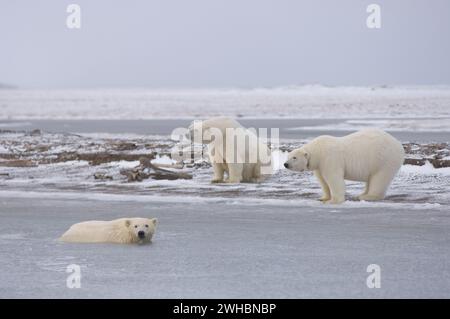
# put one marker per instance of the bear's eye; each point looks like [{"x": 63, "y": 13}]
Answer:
[
  {"x": 294, "y": 157},
  {"x": 135, "y": 226},
  {"x": 146, "y": 226}
]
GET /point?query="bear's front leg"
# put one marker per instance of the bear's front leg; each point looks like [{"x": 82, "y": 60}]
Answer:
[
  {"x": 235, "y": 173},
  {"x": 336, "y": 182},
  {"x": 218, "y": 172},
  {"x": 325, "y": 189}
]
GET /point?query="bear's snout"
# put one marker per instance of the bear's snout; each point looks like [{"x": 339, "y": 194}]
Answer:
[
  {"x": 286, "y": 165},
  {"x": 141, "y": 234}
]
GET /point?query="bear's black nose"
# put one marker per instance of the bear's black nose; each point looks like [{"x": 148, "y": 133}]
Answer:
[
  {"x": 286, "y": 165},
  {"x": 141, "y": 234}
]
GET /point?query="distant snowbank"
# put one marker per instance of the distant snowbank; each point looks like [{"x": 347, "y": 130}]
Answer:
[{"x": 309, "y": 101}]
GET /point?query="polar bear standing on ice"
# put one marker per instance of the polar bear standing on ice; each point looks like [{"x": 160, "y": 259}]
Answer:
[
  {"x": 370, "y": 156},
  {"x": 233, "y": 150},
  {"x": 120, "y": 231}
]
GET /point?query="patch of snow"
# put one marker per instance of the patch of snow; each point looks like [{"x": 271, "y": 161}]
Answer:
[
  {"x": 278, "y": 159},
  {"x": 3, "y": 149},
  {"x": 426, "y": 169},
  {"x": 125, "y": 164},
  {"x": 164, "y": 160}
]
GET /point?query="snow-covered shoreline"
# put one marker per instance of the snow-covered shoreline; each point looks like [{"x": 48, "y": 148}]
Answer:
[{"x": 93, "y": 164}]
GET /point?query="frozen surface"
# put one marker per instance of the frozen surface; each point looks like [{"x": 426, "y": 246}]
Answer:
[
  {"x": 308, "y": 101},
  {"x": 218, "y": 249}
]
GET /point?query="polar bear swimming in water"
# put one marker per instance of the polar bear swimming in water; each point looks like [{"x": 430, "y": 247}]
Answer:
[
  {"x": 120, "y": 231},
  {"x": 241, "y": 155},
  {"x": 371, "y": 156}
]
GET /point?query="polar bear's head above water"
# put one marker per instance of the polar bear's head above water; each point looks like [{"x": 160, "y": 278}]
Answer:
[
  {"x": 141, "y": 229},
  {"x": 123, "y": 230},
  {"x": 297, "y": 160}
]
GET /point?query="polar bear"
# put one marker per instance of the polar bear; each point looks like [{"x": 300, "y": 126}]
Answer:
[
  {"x": 121, "y": 231},
  {"x": 233, "y": 149},
  {"x": 371, "y": 156}
]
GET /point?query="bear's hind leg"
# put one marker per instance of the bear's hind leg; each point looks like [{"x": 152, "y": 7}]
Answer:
[
  {"x": 219, "y": 170},
  {"x": 248, "y": 173},
  {"x": 378, "y": 185},
  {"x": 325, "y": 189},
  {"x": 366, "y": 190},
  {"x": 235, "y": 173}
]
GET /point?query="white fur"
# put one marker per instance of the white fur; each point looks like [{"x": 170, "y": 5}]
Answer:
[
  {"x": 245, "y": 163},
  {"x": 370, "y": 156},
  {"x": 121, "y": 231}
]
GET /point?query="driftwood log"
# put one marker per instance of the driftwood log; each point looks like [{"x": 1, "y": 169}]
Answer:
[
  {"x": 148, "y": 170},
  {"x": 18, "y": 163},
  {"x": 99, "y": 158}
]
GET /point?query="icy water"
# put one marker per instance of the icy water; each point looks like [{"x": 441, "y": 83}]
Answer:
[
  {"x": 269, "y": 240},
  {"x": 218, "y": 249},
  {"x": 412, "y": 130}
]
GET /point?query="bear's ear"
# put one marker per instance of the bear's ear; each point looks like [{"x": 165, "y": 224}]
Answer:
[
  {"x": 154, "y": 221},
  {"x": 127, "y": 223}
]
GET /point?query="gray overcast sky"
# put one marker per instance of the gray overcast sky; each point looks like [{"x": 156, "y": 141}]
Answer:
[{"x": 223, "y": 43}]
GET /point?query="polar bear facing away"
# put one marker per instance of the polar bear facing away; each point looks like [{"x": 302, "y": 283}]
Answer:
[
  {"x": 121, "y": 231},
  {"x": 371, "y": 156},
  {"x": 233, "y": 150}
]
